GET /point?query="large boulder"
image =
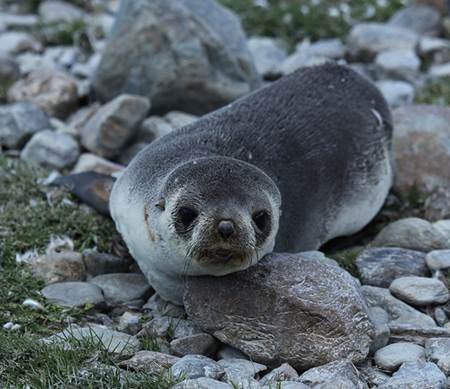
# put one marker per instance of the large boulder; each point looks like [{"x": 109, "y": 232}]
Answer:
[
  {"x": 182, "y": 54},
  {"x": 420, "y": 147},
  {"x": 302, "y": 309}
]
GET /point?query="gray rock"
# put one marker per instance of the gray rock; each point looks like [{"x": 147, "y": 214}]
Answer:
[
  {"x": 287, "y": 385},
  {"x": 127, "y": 155},
  {"x": 391, "y": 357},
  {"x": 443, "y": 226},
  {"x": 440, "y": 71},
  {"x": 438, "y": 259},
  {"x": 285, "y": 372},
  {"x": 73, "y": 294},
  {"x": 421, "y": 19},
  {"x": 299, "y": 60},
  {"x": 153, "y": 128},
  {"x": 114, "y": 124},
  {"x": 308, "y": 316},
  {"x": 339, "y": 374},
  {"x": 158, "y": 327},
  {"x": 421, "y": 131},
  {"x": 228, "y": 352},
  {"x": 130, "y": 322},
  {"x": 55, "y": 92},
  {"x": 440, "y": 316},
  {"x": 150, "y": 362},
  {"x": 189, "y": 55},
  {"x": 327, "y": 48},
  {"x": 122, "y": 287},
  {"x": 197, "y": 366},
  {"x": 93, "y": 163},
  {"x": 400, "y": 63},
  {"x": 267, "y": 53},
  {"x": 418, "y": 335},
  {"x": 179, "y": 119},
  {"x": 381, "y": 266},
  {"x": 437, "y": 205},
  {"x": 58, "y": 267},
  {"x": 202, "y": 383},
  {"x": 13, "y": 21},
  {"x": 15, "y": 42},
  {"x": 437, "y": 350},
  {"x": 396, "y": 93},
  {"x": 399, "y": 312},
  {"x": 161, "y": 307},
  {"x": 368, "y": 39},
  {"x": 240, "y": 371},
  {"x": 202, "y": 344},
  {"x": 51, "y": 149},
  {"x": 18, "y": 122},
  {"x": 101, "y": 263},
  {"x": 373, "y": 376},
  {"x": 430, "y": 45},
  {"x": 419, "y": 291},
  {"x": 380, "y": 319},
  {"x": 412, "y": 233},
  {"x": 9, "y": 72},
  {"x": 53, "y": 11},
  {"x": 416, "y": 375},
  {"x": 113, "y": 341}
]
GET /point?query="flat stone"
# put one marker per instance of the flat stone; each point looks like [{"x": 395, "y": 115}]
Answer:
[
  {"x": 130, "y": 322},
  {"x": 440, "y": 71},
  {"x": 240, "y": 371},
  {"x": 55, "y": 92},
  {"x": 179, "y": 119},
  {"x": 101, "y": 263},
  {"x": 381, "y": 266},
  {"x": 113, "y": 341},
  {"x": 18, "y": 122},
  {"x": 122, "y": 287},
  {"x": 396, "y": 92},
  {"x": 305, "y": 317},
  {"x": 438, "y": 259},
  {"x": 15, "y": 42},
  {"x": 437, "y": 205},
  {"x": 391, "y": 357},
  {"x": 341, "y": 374},
  {"x": 332, "y": 48},
  {"x": 153, "y": 128},
  {"x": 9, "y": 72},
  {"x": 412, "y": 233},
  {"x": 202, "y": 344},
  {"x": 93, "y": 163},
  {"x": 440, "y": 316},
  {"x": 228, "y": 352},
  {"x": 380, "y": 319},
  {"x": 399, "y": 312},
  {"x": 285, "y": 372},
  {"x": 17, "y": 21},
  {"x": 150, "y": 362},
  {"x": 197, "y": 366},
  {"x": 400, "y": 63},
  {"x": 73, "y": 294},
  {"x": 51, "y": 149},
  {"x": 422, "y": 19},
  {"x": 161, "y": 307},
  {"x": 299, "y": 60},
  {"x": 202, "y": 383},
  {"x": 437, "y": 350},
  {"x": 372, "y": 376},
  {"x": 416, "y": 375},
  {"x": 267, "y": 53},
  {"x": 127, "y": 155},
  {"x": 114, "y": 124},
  {"x": 53, "y": 11},
  {"x": 429, "y": 45},
  {"x": 420, "y": 291},
  {"x": 418, "y": 335}
]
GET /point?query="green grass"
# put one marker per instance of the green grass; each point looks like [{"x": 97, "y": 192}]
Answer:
[
  {"x": 292, "y": 20},
  {"x": 435, "y": 92}
]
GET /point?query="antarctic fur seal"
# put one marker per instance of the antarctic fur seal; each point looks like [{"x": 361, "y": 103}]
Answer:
[{"x": 287, "y": 167}]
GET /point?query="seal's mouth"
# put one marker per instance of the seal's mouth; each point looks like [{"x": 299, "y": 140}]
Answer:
[{"x": 221, "y": 257}]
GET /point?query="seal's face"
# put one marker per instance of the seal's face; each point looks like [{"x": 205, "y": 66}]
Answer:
[{"x": 219, "y": 222}]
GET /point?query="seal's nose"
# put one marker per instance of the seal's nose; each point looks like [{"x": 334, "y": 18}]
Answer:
[{"x": 225, "y": 228}]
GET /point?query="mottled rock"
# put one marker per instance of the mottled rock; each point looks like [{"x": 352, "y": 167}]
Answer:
[
  {"x": 437, "y": 350},
  {"x": 151, "y": 362},
  {"x": 438, "y": 259},
  {"x": 202, "y": 344},
  {"x": 440, "y": 316},
  {"x": 73, "y": 294},
  {"x": 55, "y": 92},
  {"x": 381, "y": 266},
  {"x": 421, "y": 131},
  {"x": 285, "y": 372},
  {"x": 391, "y": 357},
  {"x": 179, "y": 119},
  {"x": 412, "y": 233},
  {"x": 202, "y": 383},
  {"x": 228, "y": 352},
  {"x": 189, "y": 55},
  {"x": 396, "y": 93},
  {"x": 53, "y": 11},
  {"x": 240, "y": 371},
  {"x": 437, "y": 205},
  {"x": 340, "y": 374},
  {"x": 122, "y": 287},
  {"x": 113, "y": 341},
  {"x": 416, "y": 375},
  {"x": 418, "y": 335},
  {"x": 420, "y": 291},
  {"x": 14, "y": 42},
  {"x": 114, "y": 124},
  {"x": 399, "y": 312},
  {"x": 403, "y": 64},
  {"x": 161, "y": 307},
  {"x": 380, "y": 319},
  {"x": 373, "y": 376},
  {"x": 368, "y": 39},
  {"x": 92, "y": 163},
  {"x": 130, "y": 322},
  {"x": 153, "y": 128},
  {"x": 197, "y": 366},
  {"x": 267, "y": 53},
  {"x": 51, "y": 149},
  {"x": 306, "y": 317},
  {"x": 101, "y": 263},
  {"x": 421, "y": 19},
  {"x": 18, "y": 122}
]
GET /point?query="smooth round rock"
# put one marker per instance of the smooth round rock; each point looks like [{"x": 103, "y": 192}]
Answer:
[
  {"x": 437, "y": 350},
  {"x": 73, "y": 294},
  {"x": 438, "y": 259},
  {"x": 203, "y": 344},
  {"x": 392, "y": 356},
  {"x": 197, "y": 366},
  {"x": 420, "y": 291},
  {"x": 202, "y": 383}
]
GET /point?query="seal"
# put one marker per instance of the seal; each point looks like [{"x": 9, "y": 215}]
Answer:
[{"x": 288, "y": 167}]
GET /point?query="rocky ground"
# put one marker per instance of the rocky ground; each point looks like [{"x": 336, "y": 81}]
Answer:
[{"x": 373, "y": 311}]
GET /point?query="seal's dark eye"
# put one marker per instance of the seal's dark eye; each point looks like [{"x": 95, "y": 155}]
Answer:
[
  {"x": 187, "y": 216},
  {"x": 261, "y": 220}
]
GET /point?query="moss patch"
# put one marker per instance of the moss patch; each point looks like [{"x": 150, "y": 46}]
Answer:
[{"x": 435, "y": 92}]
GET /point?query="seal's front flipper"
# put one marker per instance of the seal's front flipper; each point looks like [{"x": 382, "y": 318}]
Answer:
[{"x": 91, "y": 188}]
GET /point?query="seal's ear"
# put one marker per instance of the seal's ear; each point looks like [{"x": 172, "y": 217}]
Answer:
[{"x": 91, "y": 188}]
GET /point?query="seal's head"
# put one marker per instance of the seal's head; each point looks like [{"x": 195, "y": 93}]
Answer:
[{"x": 219, "y": 214}]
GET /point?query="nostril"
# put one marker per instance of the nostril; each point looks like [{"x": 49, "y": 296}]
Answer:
[{"x": 225, "y": 228}]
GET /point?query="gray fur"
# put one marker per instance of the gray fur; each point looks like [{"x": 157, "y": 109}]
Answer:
[{"x": 320, "y": 138}]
